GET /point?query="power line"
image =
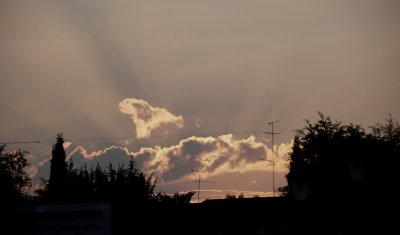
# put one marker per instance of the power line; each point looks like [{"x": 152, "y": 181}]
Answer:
[
  {"x": 135, "y": 138},
  {"x": 21, "y": 142}
]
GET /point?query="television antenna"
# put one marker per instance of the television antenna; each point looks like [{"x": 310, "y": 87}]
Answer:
[
  {"x": 199, "y": 181},
  {"x": 272, "y": 133}
]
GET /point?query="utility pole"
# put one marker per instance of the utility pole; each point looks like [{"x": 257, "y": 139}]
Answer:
[{"x": 272, "y": 133}]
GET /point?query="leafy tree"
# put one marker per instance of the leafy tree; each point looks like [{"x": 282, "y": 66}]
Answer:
[
  {"x": 14, "y": 181},
  {"x": 385, "y": 147},
  {"x": 334, "y": 161}
]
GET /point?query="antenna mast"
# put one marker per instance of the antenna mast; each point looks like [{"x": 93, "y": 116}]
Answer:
[{"x": 272, "y": 133}]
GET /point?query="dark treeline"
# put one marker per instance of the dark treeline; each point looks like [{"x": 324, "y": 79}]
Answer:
[
  {"x": 110, "y": 184},
  {"x": 68, "y": 184},
  {"x": 336, "y": 162},
  {"x": 128, "y": 191}
]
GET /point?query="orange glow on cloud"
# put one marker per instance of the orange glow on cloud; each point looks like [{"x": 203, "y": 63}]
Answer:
[
  {"x": 212, "y": 155},
  {"x": 146, "y": 117},
  {"x": 91, "y": 155}
]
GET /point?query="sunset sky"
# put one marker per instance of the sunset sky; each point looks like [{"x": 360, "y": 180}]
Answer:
[{"x": 183, "y": 85}]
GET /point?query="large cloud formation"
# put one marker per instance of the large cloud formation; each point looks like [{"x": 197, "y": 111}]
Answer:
[
  {"x": 212, "y": 155},
  {"x": 146, "y": 117},
  {"x": 234, "y": 163}
]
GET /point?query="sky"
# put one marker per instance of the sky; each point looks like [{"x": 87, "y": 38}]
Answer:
[{"x": 183, "y": 85}]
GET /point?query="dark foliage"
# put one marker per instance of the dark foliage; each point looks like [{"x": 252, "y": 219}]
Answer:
[
  {"x": 68, "y": 184},
  {"x": 176, "y": 199},
  {"x": 331, "y": 161},
  {"x": 58, "y": 171},
  {"x": 13, "y": 179}
]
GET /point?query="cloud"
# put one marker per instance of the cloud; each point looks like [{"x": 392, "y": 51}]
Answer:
[
  {"x": 213, "y": 156},
  {"x": 67, "y": 144},
  {"x": 146, "y": 117},
  {"x": 196, "y": 121},
  {"x": 222, "y": 193},
  {"x": 113, "y": 154},
  {"x": 32, "y": 171},
  {"x": 82, "y": 156}
]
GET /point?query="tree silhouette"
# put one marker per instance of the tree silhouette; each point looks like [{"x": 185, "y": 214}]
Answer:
[
  {"x": 58, "y": 171},
  {"x": 13, "y": 178},
  {"x": 342, "y": 162},
  {"x": 70, "y": 184},
  {"x": 176, "y": 199},
  {"x": 385, "y": 143}
]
